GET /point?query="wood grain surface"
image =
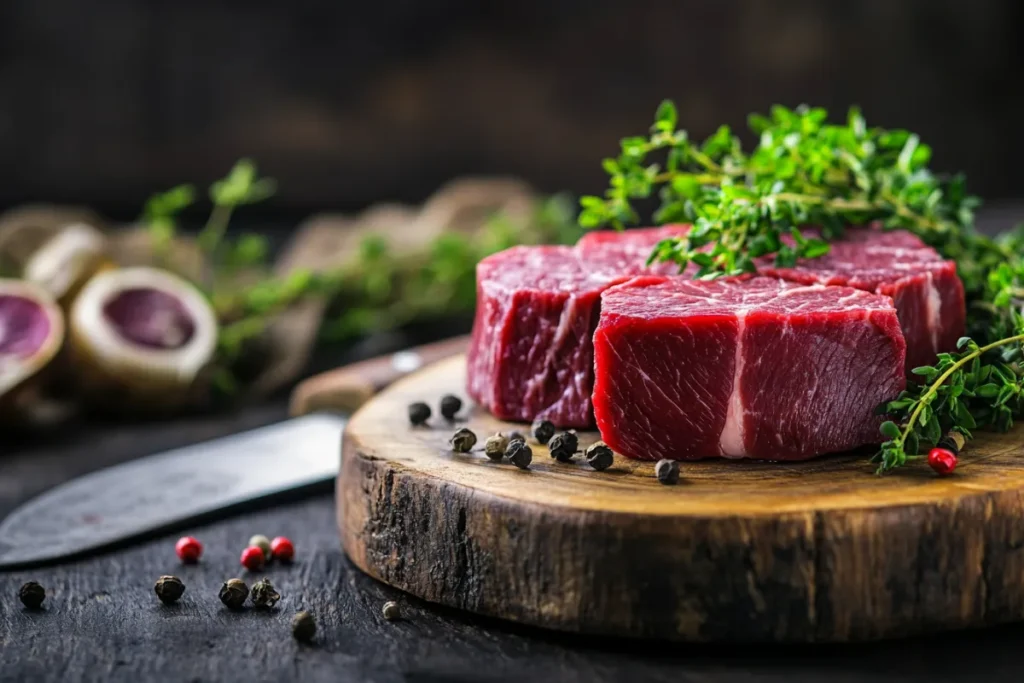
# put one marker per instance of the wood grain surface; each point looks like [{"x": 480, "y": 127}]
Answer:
[{"x": 814, "y": 551}]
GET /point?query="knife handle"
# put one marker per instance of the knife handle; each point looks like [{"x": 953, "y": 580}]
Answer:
[{"x": 347, "y": 388}]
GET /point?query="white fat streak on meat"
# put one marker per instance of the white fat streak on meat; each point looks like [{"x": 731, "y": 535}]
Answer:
[
  {"x": 796, "y": 291},
  {"x": 933, "y": 306},
  {"x": 730, "y": 443}
]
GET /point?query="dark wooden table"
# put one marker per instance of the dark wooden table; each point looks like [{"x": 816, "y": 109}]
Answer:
[{"x": 102, "y": 621}]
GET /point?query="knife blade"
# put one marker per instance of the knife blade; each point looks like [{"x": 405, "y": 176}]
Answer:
[
  {"x": 127, "y": 501},
  {"x": 134, "y": 500}
]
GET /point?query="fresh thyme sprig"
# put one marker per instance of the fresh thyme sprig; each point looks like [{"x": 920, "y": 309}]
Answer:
[
  {"x": 803, "y": 171},
  {"x": 982, "y": 386},
  {"x": 160, "y": 215},
  {"x": 241, "y": 186},
  {"x": 962, "y": 392}
]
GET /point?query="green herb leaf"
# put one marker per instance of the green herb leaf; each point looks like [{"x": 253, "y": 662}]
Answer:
[{"x": 890, "y": 430}]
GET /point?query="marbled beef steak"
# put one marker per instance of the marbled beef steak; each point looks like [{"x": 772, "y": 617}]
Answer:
[
  {"x": 927, "y": 293},
  {"x": 759, "y": 368},
  {"x": 531, "y": 353}
]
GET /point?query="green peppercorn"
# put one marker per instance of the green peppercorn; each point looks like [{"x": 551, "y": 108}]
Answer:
[
  {"x": 391, "y": 611},
  {"x": 563, "y": 446},
  {"x": 32, "y": 595},
  {"x": 599, "y": 456},
  {"x": 516, "y": 436},
  {"x": 667, "y": 471},
  {"x": 263, "y": 543},
  {"x": 303, "y": 627},
  {"x": 169, "y": 589},
  {"x": 234, "y": 593},
  {"x": 519, "y": 454},
  {"x": 264, "y": 595},
  {"x": 450, "y": 406},
  {"x": 463, "y": 441},
  {"x": 495, "y": 446},
  {"x": 542, "y": 431},
  {"x": 419, "y": 413}
]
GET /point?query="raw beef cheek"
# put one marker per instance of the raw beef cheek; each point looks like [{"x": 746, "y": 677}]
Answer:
[
  {"x": 758, "y": 369},
  {"x": 928, "y": 295},
  {"x": 531, "y": 354}
]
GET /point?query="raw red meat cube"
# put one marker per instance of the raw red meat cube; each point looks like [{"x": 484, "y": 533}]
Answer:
[
  {"x": 756, "y": 368},
  {"x": 532, "y": 353},
  {"x": 928, "y": 295}
]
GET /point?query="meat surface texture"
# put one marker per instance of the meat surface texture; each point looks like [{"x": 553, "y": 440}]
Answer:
[
  {"x": 927, "y": 293},
  {"x": 531, "y": 354},
  {"x": 759, "y": 368},
  {"x": 637, "y": 240}
]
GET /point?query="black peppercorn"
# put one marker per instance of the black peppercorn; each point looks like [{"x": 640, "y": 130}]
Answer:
[
  {"x": 264, "y": 595},
  {"x": 519, "y": 454},
  {"x": 599, "y": 456},
  {"x": 32, "y": 595},
  {"x": 495, "y": 446},
  {"x": 169, "y": 589},
  {"x": 516, "y": 436},
  {"x": 953, "y": 441},
  {"x": 419, "y": 413},
  {"x": 667, "y": 471},
  {"x": 542, "y": 431},
  {"x": 450, "y": 406},
  {"x": 391, "y": 611},
  {"x": 234, "y": 593},
  {"x": 563, "y": 446},
  {"x": 463, "y": 441},
  {"x": 303, "y": 626}
]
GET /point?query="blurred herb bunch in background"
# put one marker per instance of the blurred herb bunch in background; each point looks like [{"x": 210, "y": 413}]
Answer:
[{"x": 375, "y": 287}]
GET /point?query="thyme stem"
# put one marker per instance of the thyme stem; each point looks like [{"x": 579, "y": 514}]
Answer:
[{"x": 930, "y": 394}]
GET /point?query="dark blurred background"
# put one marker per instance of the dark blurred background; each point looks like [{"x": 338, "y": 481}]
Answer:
[{"x": 347, "y": 103}]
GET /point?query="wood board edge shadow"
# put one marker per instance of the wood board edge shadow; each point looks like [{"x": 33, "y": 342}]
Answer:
[{"x": 825, "y": 575}]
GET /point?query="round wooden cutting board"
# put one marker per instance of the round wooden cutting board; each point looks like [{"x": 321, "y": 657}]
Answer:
[{"x": 813, "y": 551}]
